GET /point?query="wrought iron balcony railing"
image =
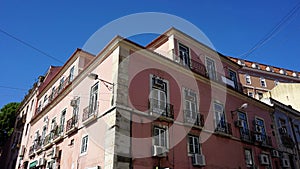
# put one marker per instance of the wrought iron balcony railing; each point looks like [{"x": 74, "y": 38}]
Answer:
[
  {"x": 161, "y": 108},
  {"x": 223, "y": 128},
  {"x": 90, "y": 113},
  {"x": 71, "y": 124},
  {"x": 193, "y": 118}
]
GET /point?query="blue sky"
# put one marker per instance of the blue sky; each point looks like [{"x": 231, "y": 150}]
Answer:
[{"x": 59, "y": 27}]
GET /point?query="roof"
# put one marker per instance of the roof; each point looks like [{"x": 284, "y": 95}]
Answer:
[
  {"x": 265, "y": 67},
  {"x": 51, "y": 73}
]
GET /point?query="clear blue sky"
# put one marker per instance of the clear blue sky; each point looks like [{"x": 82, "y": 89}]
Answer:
[{"x": 59, "y": 27}]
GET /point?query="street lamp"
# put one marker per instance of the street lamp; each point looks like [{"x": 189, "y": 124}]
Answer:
[
  {"x": 106, "y": 83},
  {"x": 242, "y": 107}
]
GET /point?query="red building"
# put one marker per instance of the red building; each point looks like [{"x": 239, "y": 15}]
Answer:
[{"x": 187, "y": 111}]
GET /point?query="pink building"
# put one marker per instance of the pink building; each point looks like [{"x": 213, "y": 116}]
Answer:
[{"x": 173, "y": 104}]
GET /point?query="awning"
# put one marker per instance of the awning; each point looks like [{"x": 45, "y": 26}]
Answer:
[{"x": 33, "y": 164}]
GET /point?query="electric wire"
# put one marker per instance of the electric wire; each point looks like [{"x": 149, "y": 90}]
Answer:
[
  {"x": 274, "y": 31},
  {"x": 30, "y": 46}
]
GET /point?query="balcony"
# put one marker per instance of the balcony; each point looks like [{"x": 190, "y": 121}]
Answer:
[
  {"x": 38, "y": 146},
  {"x": 31, "y": 151},
  {"x": 262, "y": 139},
  {"x": 161, "y": 109},
  {"x": 224, "y": 128},
  {"x": 198, "y": 67},
  {"x": 193, "y": 118},
  {"x": 246, "y": 135},
  {"x": 53, "y": 95},
  {"x": 71, "y": 125},
  {"x": 287, "y": 141},
  {"x": 58, "y": 133},
  {"x": 48, "y": 140},
  {"x": 89, "y": 114}
]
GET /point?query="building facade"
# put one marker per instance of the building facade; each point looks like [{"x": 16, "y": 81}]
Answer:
[
  {"x": 257, "y": 78},
  {"x": 175, "y": 103}
]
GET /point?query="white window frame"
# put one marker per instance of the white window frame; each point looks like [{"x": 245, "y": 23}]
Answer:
[
  {"x": 94, "y": 97},
  {"x": 212, "y": 75},
  {"x": 249, "y": 162},
  {"x": 263, "y": 125},
  {"x": 219, "y": 113},
  {"x": 190, "y": 102},
  {"x": 195, "y": 141},
  {"x": 84, "y": 142},
  {"x": 71, "y": 73},
  {"x": 166, "y": 134},
  {"x": 167, "y": 98},
  {"x": 263, "y": 82},
  {"x": 251, "y": 93},
  {"x": 247, "y": 79},
  {"x": 186, "y": 54}
]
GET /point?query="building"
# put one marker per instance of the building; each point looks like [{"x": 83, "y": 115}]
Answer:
[
  {"x": 287, "y": 131},
  {"x": 286, "y": 93},
  {"x": 257, "y": 78},
  {"x": 175, "y": 103},
  {"x": 21, "y": 128}
]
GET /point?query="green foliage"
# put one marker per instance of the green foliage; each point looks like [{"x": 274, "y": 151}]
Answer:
[{"x": 7, "y": 120}]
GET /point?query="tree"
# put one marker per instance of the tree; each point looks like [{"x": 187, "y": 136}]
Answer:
[{"x": 7, "y": 120}]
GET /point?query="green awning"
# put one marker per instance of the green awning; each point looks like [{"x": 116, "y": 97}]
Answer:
[{"x": 33, "y": 164}]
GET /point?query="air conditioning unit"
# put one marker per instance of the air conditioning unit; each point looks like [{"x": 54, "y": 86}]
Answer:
[
  {"x": 282, "y": 130},
  {"x": 285, "y": 163},
  {"x": 264, "y": 159},
  {"x": 258, "y": 129},
  {"x": 42, "y": 161},
  {"x": 258, "y": 138},
  {"x": 239, "y": 123},
  {"x": 159, "y": 151},
  {"x": 73, "y": 102},
  {"x": 275, "y": 153},
  {"x": 198, "y": 160}
]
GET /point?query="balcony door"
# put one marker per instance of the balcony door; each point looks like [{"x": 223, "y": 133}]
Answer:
[{"x": 158, "y": 96}]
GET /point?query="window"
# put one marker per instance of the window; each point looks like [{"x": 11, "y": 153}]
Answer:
[
  {"x": 276, "y": 82},
  {"x": 94, "y": 98},
  {"x": 194, "y": 146},
  {"x": 184, "y": 55},
  {"x": 263, "y": 82},
  {"x": 259, "y": 126},
  {"x": 53, "y": 123},
  {"x": 211, "y": 69},
  {"x": 76, "y": 109},
  {"x": 158, "y": 96},
  {"x": 282, "y": 125},
  {"x": 71, "y": 75},
  {"x": 247, "y": 79},
  {"x": 44, "y": 132},
  {"x": 260, "y": 95},
  {"x": 248, "y": 157},
  {"x": 250, "y": 94},
  {"x": 31, "y": 104},
  {"x": 26, "y": 130},
  {"x": 160, "y": 137},
  {"x": 190, "y": 105},
  {"x": 84, "y": 144},
  {"x": 219, "y": 115},
  {"x": 244, "y": 129},
  {"x": 233, "y": 77},
  {"x": 52, "y": 93},
  {"x": 62, "y": 120},
  {"x": 45, "y": 99},
  {"x": 61, "y": 83}
]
